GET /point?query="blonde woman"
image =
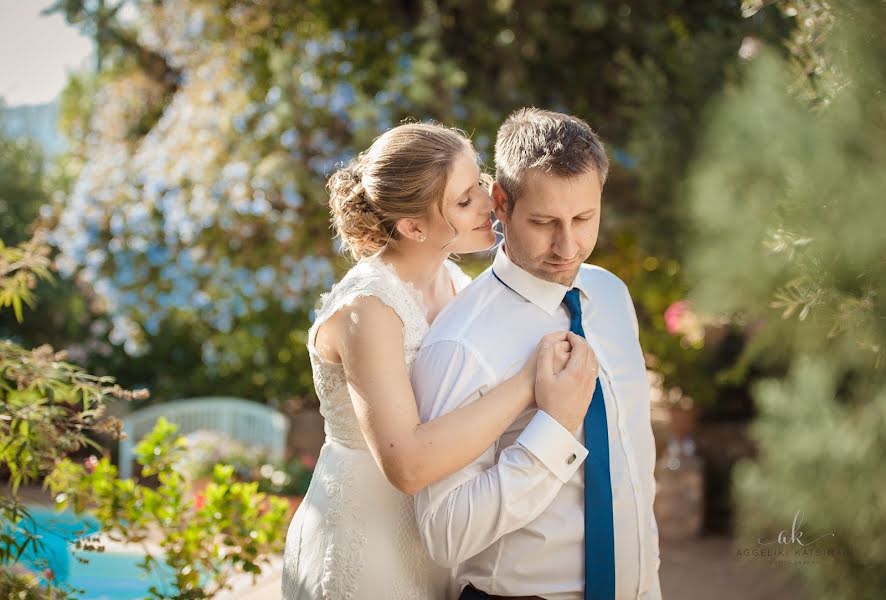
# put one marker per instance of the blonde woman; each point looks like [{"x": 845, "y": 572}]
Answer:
[{"x": 400, "y": 208}]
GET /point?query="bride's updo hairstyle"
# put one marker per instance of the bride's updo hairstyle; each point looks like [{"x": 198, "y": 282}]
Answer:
[{"x": 401, "y": 176}]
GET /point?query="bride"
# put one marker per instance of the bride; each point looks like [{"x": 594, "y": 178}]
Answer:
[{"x": 400, "y": 208}]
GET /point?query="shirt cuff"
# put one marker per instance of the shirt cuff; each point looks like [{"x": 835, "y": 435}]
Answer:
[{"x": 553, "y": 445}]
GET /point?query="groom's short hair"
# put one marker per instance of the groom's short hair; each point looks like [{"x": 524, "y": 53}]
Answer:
[{"x": 532, "y": 138}]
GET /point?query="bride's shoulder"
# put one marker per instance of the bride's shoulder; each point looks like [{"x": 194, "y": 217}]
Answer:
[
  {"x": 370, "y": 278},
  {"x": 366, "y": 274}
]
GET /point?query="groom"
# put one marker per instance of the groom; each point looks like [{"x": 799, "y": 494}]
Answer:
[{"x": 555, "y": 509}]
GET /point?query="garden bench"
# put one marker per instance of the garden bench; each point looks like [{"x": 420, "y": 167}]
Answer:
[{"x": 241, "y": 420}]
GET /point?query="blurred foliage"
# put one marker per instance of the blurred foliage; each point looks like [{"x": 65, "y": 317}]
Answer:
[
  {"x": 48, "y": 408},
  {"x": 205, "y": 449},
  {"x": 786, "y": 197},
  {"x": 195, "y": 216},
  {"x": 22, "y": 584},
  {"x": 205, "y": 537},
  {"x": 49, "y": 411},
  {"x": 694, "y": 357},
  {"x": 61, "y": 318},
  {"x": 291, "y": 478},
  {"x": 22, "y": 187}
]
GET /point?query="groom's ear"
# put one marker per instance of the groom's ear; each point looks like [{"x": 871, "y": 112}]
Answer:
[{"x": 500, "y": 199}]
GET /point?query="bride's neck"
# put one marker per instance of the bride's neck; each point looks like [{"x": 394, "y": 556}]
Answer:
[{"x": 419, "y": 266}]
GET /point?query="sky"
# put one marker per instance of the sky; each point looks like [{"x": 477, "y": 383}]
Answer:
[{"x": 36, "y": 53}]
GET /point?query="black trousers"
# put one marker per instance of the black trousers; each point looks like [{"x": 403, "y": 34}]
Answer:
[{"x": 472, "y": 593}]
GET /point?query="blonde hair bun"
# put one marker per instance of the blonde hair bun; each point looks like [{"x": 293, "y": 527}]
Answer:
[{"x": 402, "y": 175}]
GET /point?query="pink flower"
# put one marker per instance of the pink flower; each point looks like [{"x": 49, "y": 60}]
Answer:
[
  {"x": 48, "y": 575},
  {"x": 673, "y": 316},
  {"x": 91, "y": 463},
  {"x": 199, "y": 501},
  {"x": 681, "y": 320}
]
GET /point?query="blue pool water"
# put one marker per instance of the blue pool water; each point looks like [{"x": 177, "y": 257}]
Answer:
[
  {"x": 115, "y": 576},
  {"x": 106, "y": 576}
]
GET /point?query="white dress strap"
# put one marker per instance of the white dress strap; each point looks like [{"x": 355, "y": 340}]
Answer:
[{"x": 374, "y": 277}]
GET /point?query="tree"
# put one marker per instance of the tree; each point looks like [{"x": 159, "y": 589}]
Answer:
[
  {"x": 784, "y": 197},
  {"x": 22, "y": 188},
  {"x": 199, "y": 214}
]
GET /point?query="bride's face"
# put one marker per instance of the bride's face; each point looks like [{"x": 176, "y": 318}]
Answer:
[{"x": 465, "y": 224}]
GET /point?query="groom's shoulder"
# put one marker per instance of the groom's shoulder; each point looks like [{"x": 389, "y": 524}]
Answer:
[
  {"x": 457, "y": 320},
  {"x": 604, "y": 282}
]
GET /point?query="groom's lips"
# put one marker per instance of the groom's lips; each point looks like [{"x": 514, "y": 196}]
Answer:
[{"x": 560, "y": 266}]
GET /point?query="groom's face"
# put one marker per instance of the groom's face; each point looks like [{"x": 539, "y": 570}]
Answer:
[{"x": 554, "y": 225}]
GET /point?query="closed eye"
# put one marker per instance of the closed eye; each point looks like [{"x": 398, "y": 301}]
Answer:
[{"x": 537, "y": 222}]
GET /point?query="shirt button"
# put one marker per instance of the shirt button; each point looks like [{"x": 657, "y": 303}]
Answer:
[{"x": 571, "y": 459}]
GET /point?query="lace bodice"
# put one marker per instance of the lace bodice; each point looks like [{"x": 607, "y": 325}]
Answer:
[{"x": 369, "y": 277}]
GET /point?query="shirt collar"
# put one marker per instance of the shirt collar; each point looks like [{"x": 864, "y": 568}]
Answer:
[{"x": 547, "y": 295}]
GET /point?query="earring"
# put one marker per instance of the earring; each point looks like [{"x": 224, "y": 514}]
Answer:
[{"x": 422, "y": 237}]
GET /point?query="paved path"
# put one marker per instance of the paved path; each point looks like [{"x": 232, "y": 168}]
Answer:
[
  {"x": 699, "y": 569},
  {"x": 266, "y": 588},
  {"x": 709, "y": 568},
  {"x": 693, "y": 570}
]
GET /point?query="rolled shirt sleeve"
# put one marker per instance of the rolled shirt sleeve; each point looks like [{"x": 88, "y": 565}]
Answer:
[{"x": 463, "y": 514}]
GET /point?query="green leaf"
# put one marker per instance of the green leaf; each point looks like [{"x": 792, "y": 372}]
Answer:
[{"x": 17, "y": 307}]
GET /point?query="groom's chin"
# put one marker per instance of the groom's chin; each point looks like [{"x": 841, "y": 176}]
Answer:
[
  {"x": 564, "y": 279},
  {"x": 563, "y": 276}
]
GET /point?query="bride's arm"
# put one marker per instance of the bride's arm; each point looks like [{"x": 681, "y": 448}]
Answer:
[{"x": 411, "y": 454}]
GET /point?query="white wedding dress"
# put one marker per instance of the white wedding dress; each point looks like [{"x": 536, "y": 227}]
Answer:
[{"x": 354, "y": 537}]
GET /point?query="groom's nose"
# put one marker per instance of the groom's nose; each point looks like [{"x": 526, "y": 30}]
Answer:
[{"x": 564, "y": 243}]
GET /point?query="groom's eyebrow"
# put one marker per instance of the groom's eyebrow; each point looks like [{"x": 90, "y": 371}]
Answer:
[{"x": 587, "y": 213}]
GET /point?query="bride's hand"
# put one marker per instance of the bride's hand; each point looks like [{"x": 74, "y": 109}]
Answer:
[
  {"x": 559, "y": 343},
  {"x": 562, "y": 351}
]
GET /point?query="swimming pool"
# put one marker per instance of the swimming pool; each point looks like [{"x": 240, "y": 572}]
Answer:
[
  {"x": 106, "y": 575},
  {"x": 116, "y": 576}
]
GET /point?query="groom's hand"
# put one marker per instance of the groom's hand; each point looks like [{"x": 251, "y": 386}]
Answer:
[{"x": 566, "y": 395}]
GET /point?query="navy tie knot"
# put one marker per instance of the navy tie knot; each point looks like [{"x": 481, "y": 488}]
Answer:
[{"x": 572, "y": 300}]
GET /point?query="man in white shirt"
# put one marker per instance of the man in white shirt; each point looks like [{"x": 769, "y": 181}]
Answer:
[{"x": 513, "y": 522}]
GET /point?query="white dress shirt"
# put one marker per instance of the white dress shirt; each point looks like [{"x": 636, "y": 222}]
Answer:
[{"x": 512, "y": 521}]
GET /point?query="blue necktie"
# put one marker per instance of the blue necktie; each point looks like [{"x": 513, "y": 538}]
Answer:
[{"x": 599, "y": 531}]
